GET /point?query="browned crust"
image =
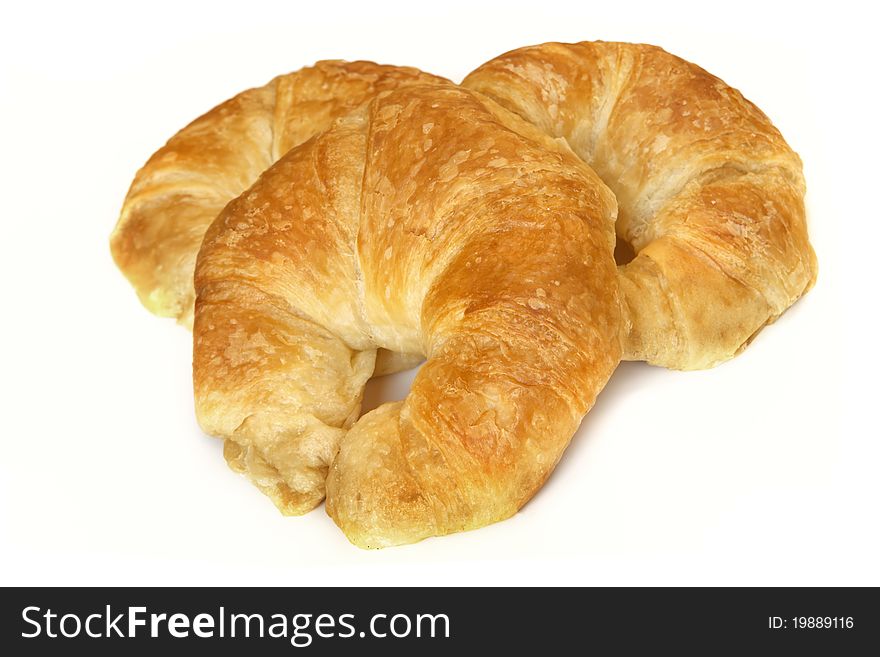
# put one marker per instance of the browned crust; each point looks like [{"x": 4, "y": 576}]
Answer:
[
  {"x": 710, "y": 194},
  {"x": 184, "y": 185},
  {"x": 432, "y": 221}
]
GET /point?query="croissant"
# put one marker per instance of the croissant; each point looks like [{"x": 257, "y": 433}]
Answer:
[
  {"x": 184, "y": 185},
  {"x": 428, "y": 221},
  {"x": 711, "y": 198}
]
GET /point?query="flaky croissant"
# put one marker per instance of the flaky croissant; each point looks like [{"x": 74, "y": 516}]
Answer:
[
  {"x": 432, "y": 221},
  {"x": 184, "y": 185},
  {"x": 710, "y": 195}
]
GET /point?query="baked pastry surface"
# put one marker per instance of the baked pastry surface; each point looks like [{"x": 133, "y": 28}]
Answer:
[
  {"x": 711, "y": 197},
  {"x": 430, "y": 221},
  {"x": 183, "y": 186}
]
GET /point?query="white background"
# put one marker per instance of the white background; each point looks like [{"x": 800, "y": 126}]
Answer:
[{"x": 762, "y": 471}]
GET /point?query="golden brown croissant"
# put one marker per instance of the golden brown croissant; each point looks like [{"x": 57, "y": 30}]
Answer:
[
  {"x": 185, "y": 184},
  {"x": 433, "y": 221},
  {"x": 710, "y": 195}
]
